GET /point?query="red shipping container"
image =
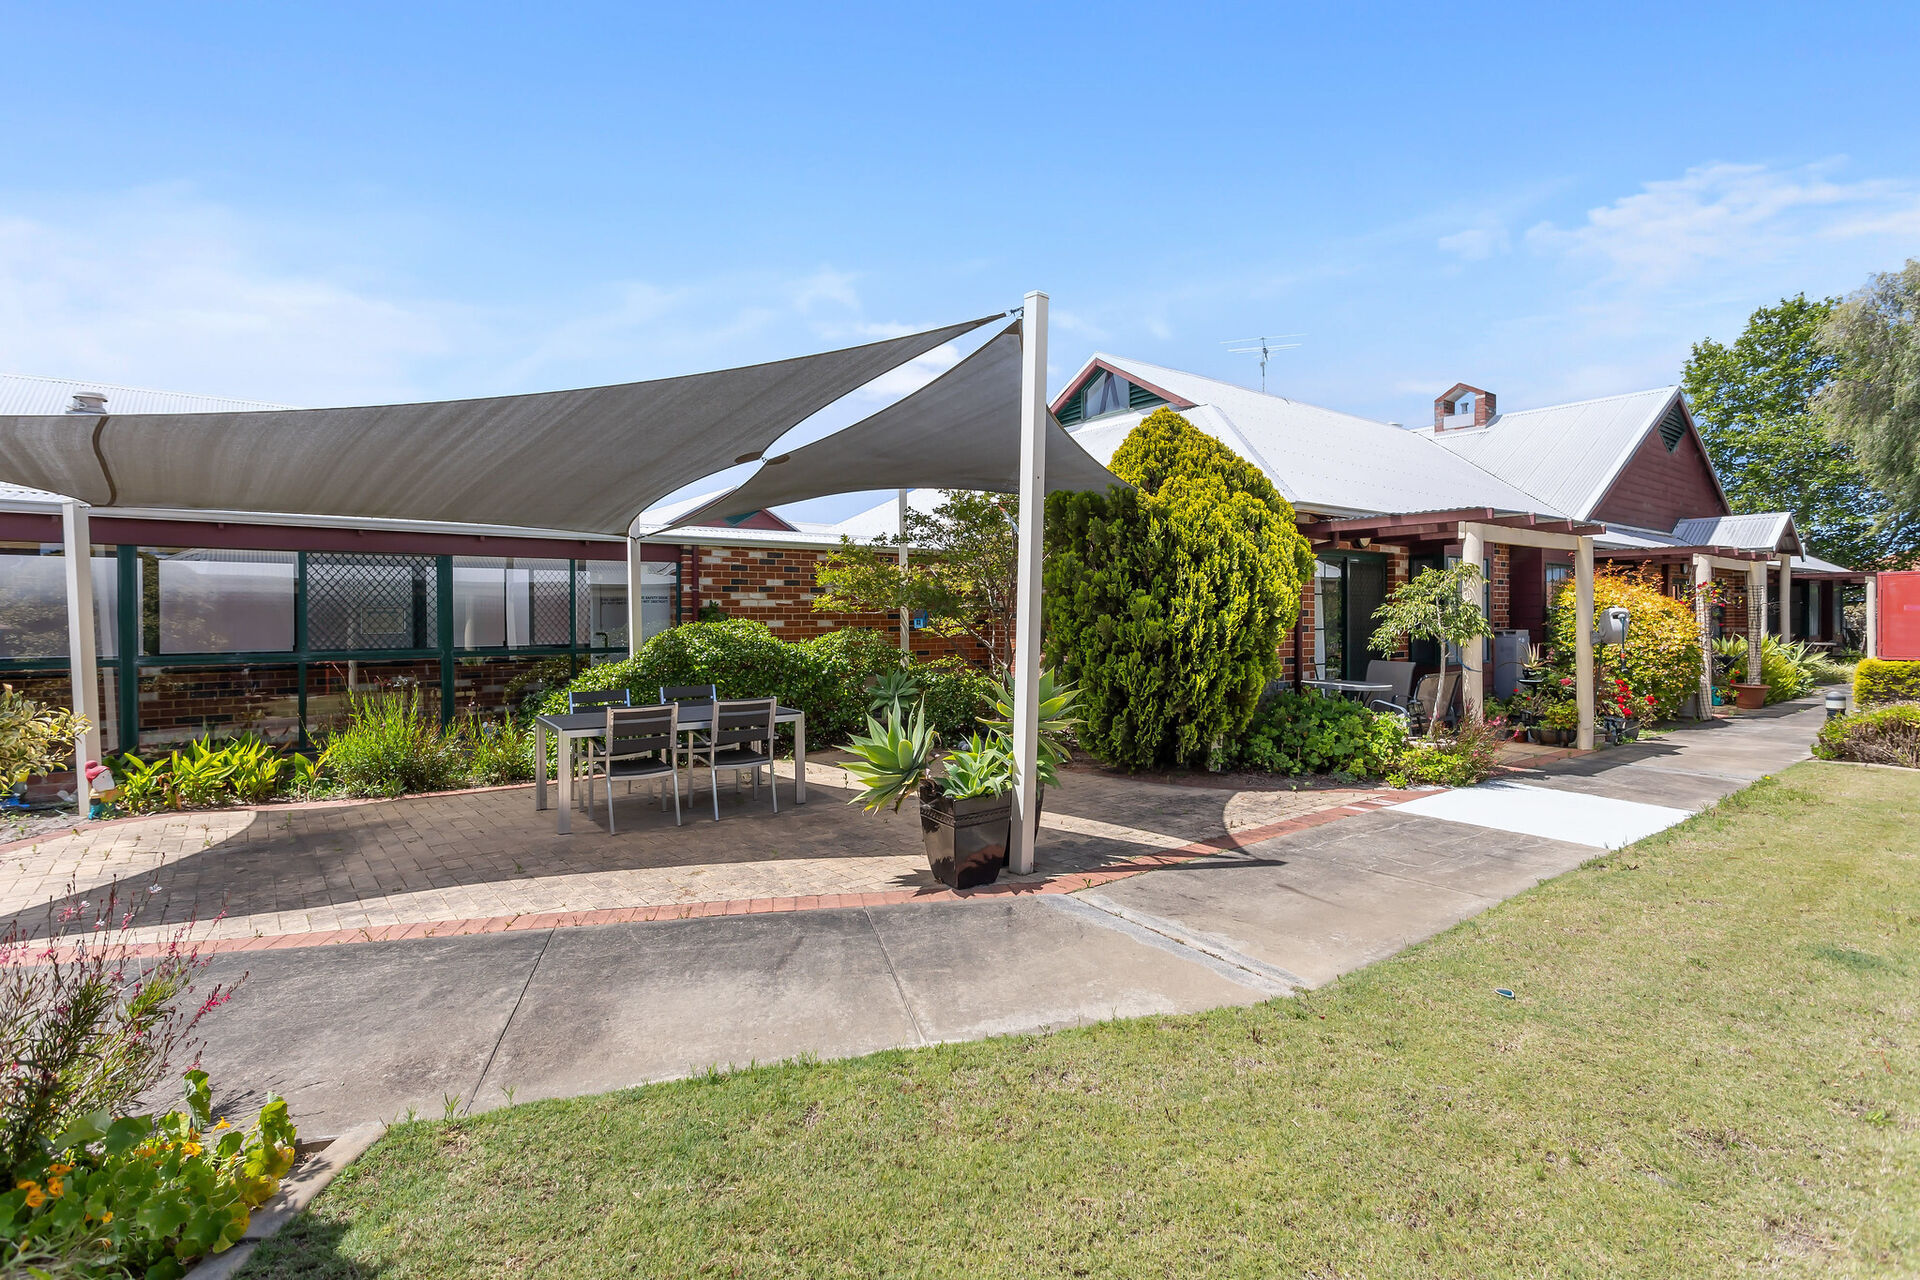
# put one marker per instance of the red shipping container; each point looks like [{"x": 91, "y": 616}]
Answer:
[{"x": 1899, "y": 615}]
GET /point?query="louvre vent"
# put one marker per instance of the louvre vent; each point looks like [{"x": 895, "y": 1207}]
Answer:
[
  {"x": 1673, "y": 428},
  {"x": 1138, "y": 397},
  {"x": 1074, "y": 409}
]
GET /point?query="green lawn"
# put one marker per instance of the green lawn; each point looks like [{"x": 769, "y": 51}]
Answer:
[{"x": 1710, "y": 1068}]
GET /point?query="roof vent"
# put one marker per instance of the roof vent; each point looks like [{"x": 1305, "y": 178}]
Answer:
[
  {"x": 88, "y": 402},
  {"x": 1673, "y": 428}
]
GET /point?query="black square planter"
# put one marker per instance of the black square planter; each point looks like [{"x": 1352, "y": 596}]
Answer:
[{"x": 966, "y": 839}]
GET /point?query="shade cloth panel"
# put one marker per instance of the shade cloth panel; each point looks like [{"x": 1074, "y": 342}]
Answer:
[
  {"x": 582, "y": 461},
  {"x": 960, "y": 431}
]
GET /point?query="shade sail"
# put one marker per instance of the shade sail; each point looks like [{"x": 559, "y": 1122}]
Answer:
[
  {"x": 960, "y": 431},
  {"x": 585, "y": 460}
]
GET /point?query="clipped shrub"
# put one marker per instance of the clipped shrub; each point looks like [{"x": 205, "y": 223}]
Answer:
[
  {"x": 1881, "y": 735},
  {"x": 826, "y": 677},
  {"x": 1662, "y": 657},
  {"x": 1877, "y": 680},
  {"x": 394, "y": 743},
  {"x": 1305, "y": 733},
  {"x": 1166, "y": 601}
]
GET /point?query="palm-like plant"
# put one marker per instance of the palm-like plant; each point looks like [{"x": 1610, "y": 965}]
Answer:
[
  {"x": 1058, "y": 717},
  {"x": 891, "y": 759}
]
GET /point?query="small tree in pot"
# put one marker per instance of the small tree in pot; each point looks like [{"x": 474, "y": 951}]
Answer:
[
  {"x": 966, "y": 795},
  {"x": 1437, "y": 605}
]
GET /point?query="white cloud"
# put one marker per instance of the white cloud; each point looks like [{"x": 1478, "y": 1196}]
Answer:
[
  {"x": 154, "y": 288},
  {"x": 1476, "y": 243},
  {"x": 1722, "y": 215}
]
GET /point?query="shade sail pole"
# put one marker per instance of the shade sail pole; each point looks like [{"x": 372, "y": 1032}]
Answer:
[
  {"x": 900, "y": 511},
  {"x": 81, "y": 658},
  {"x": 1026, "y": 629},
  {"x": 633, "y": 596}
]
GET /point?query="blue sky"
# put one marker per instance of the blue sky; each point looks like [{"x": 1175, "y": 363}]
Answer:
[{"x": 359, "y": 203}]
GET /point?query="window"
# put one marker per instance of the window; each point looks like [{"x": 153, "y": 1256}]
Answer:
[
  {"x": 1106, "y": 394},
  {"x": 33, "y": 601},
  {"x": 201, "y": 600}
]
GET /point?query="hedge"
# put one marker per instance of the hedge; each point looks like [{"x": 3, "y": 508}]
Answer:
[
  {"x": 1877, "y": 680},
  {"x": 826, "y": 677},
  {"x": 1883, "y": 735}
]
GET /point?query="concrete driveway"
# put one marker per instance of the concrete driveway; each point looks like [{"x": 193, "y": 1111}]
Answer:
[{"x": 371, "y": 1031}]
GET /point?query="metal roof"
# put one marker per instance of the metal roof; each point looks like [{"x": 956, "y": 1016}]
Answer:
[
  {"x": 1321, "y": 460},
  {"x": 1565, "y": 455},
  {"x": 26, "y": 393},
  {"x": 1765, "y": 531}
]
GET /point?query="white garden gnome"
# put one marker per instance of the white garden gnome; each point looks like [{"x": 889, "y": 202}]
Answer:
[{"x": 103, "y": 788}]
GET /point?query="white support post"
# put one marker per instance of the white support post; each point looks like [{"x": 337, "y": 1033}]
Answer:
[
  {"x": 1702, "y": 580},
  {"x": 1473, "y": 695},
  {"x": 633, "y": 596},
  {"x": 1583, "y": 641},
  {"x": 1872, "y": 639},
  {"x": 81, "y": 659},
  {"x": 906, "y": 627},
  {"x": 1786, "y": 598},
  {"x": 1026, "y": 628},
  {"x": 1756, "y": 618}
]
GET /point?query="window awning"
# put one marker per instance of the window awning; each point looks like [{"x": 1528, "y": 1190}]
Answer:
[
  {"x": 587, "y": 460},
  {"x": 960, "y": 431}
]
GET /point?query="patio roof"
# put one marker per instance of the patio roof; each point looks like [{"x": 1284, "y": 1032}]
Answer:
[
  {"x": 1422, "y": 525},
  {"x": 583, "y": 461}
]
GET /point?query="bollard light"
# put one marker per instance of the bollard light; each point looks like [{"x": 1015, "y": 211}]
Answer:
[{"x": 1836, "y": 703}]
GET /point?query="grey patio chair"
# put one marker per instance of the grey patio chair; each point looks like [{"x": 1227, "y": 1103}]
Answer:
[
  {"x": 1397, "y": 674},
  {"x": 640, "y": 743},
  {"x": 579, "y": 700},
  {"x": 1427, "y": 700},
  {"x": 690, "y": 696},
  {"x": 742, "y": 739}
]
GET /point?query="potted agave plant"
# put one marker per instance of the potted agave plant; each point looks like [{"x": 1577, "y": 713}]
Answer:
[{"x": 966, "y": 793}]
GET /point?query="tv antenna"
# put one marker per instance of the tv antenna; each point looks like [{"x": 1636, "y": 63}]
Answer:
[{"x": 1264, "y": 347}]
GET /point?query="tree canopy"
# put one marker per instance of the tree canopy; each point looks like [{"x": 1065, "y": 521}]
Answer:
[
  {"x": 1167, "y": 600},
  {"x": 961, "y": 575},
  {"x": 1872, "y": 403},
  {"x": 1753, "y": 402}
]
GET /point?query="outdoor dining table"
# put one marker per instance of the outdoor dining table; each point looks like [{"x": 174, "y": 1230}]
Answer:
[
  {"x": 1361, "y": 690},
  {"x": 571, "y": 728}
]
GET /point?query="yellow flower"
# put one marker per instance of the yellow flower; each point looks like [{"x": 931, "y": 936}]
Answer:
[
  {"x": 106, "y": 1217},
  {"x": 190, "y": 1148},
  {"x": 56, "y": 1187},
  {"x": 59, "y": 1168},
  {"x": 222, "y": 1125},
  {"x": 26, "y": 1184},
  {"x": 35, "y": 1198}
]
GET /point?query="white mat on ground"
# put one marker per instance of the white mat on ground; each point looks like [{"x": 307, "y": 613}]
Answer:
[{"x": 1573, "y": 816}]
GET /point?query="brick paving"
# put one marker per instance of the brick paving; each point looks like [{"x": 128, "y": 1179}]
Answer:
[{"x": 482, "y": 861}]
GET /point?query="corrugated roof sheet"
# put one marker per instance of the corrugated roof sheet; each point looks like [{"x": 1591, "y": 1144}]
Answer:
[
  {"x": 1763, "y": 531},
  {"x": 26, "y": 393},
  {"x": 1564, "y": 455},
  {"x": 1319, "y": 459}
]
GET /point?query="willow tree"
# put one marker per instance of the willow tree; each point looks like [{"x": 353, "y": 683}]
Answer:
[{"x": 1166, "y": 601}]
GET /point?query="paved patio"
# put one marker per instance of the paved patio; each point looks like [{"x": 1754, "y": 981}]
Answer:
[{"x": 484, "y": 860}]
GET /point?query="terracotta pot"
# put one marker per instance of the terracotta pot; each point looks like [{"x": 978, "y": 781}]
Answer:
[{"x": 1752, "y": 697}]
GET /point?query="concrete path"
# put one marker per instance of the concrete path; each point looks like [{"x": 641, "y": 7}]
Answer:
[{"x": 374, "y": 1030}]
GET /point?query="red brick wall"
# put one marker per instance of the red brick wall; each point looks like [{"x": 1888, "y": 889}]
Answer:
[
  {"x": 776, "y": 586},
  {"x": 1657, "y": 489}
]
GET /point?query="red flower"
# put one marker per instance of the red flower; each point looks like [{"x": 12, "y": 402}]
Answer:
[
  {"x": 1566, "y": 680},
  {"x": 1652, "y": 701}
]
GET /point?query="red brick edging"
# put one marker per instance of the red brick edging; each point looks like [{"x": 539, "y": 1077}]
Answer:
[{"x": 1066, "y": 882}]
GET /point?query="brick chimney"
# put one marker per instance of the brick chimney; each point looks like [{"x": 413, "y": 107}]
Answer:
[{"x": 1462, "y": 406}]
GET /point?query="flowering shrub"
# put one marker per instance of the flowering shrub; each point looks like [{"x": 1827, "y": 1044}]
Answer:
[
  {"x": 1661, "y": 660},
  {"x": 146, "y": 1194}
]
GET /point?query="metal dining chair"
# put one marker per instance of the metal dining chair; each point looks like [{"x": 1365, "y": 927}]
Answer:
[
  {"x": 641, "y": 742},
  {"x": 690, "y": 696},
  {"x": 579, "y": 700},
  {"x": 742, "y": 739}
]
